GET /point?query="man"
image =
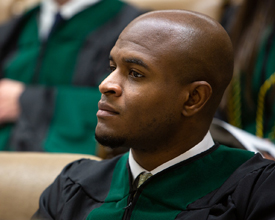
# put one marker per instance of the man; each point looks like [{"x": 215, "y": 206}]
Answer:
[
  {"x": 169, "y": 72},
  {"x": 52, "y": 60}
]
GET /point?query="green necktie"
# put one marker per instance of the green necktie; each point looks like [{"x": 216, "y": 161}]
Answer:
[{"x": 143, "y": 177}]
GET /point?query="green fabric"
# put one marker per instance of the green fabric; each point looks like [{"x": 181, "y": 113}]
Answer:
[
  {"x": 74, "y": 122},
  {"x": 116, "y": 201},
  {"x": 22, "y": 66},
  {"x": 4, "y": 136},
  {"x": 72, "y": 129},
  {"x": 249, "y": 112},
  {"x": 69, "y": 40},
  {"x": 169, "y": 193},
  {"x": 73, "y": 126},
  {"x": 61, "y": 50}
]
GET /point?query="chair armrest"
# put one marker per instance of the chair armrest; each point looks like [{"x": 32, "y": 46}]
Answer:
[{"x": 24, "y": 176}]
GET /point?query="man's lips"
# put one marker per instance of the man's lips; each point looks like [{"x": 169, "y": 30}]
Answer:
[{"x": 105, "y": 110}]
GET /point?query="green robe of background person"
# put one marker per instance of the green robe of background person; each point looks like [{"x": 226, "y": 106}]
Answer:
[
  {"x": 255, "y": 112},
  {"x": 62, "y": 74}
]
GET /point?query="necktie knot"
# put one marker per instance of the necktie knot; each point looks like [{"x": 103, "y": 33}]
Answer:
[
  {"x": 57, "y": 21},
  {"x": 143, "y": 177}
]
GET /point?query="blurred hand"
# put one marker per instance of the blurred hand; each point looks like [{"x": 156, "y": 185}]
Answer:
[{"x": 10, "y": 92}]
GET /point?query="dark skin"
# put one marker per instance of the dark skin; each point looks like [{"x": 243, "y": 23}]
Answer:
[
  {"x": 169, "y": 71},
  {"x": 61, "y": 2}
]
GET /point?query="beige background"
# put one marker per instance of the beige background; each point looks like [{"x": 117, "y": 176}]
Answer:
[{"x": 212, "y": 8}]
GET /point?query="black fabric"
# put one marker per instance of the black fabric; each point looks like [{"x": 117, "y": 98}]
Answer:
[
  {"x": 93, "y": 62},
  {"x": 245, "y": 195},
  {"x": 83, "y": 185},
  {"x": 30, "y": 130},
  {"x": 228, "y": 16}
]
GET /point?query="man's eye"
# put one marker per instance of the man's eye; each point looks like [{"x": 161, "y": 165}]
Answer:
[
  {"x": 135, "y": 74},
  {"x": 112, "y": 68}
]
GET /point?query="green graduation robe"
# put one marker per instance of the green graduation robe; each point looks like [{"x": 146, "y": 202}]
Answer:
[{"x": 220, "y": 183}]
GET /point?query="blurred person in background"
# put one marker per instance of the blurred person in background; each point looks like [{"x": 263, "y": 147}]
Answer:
[
  {"x": 52, "y": 58},
  {"x": 250, "y": 100}
]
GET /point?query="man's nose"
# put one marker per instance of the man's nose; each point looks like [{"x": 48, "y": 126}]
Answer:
[{"x": 110, "y": 85}]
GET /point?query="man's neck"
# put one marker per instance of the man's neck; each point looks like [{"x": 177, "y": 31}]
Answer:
[
  {"x": 203, "y": 146},
  {"x": 151, "y": 160}
]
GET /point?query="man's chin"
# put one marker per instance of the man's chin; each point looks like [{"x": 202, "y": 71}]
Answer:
[{"x": 110, "y": 141}]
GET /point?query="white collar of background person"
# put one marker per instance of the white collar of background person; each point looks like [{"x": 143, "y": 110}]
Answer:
[{"x": 49, "y": 9}]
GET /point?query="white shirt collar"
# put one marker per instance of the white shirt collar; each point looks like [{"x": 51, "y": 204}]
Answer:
[
  {"x": 49, "y": 8},
  {"x": 204, "y": 145}
]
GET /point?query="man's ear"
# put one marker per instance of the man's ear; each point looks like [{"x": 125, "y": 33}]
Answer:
[{"x": 198, "y": 93}]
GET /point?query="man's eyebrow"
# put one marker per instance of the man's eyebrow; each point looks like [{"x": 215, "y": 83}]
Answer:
[
  {"x": 136, "y": 61},
  {"x": 132, "y": 60}
]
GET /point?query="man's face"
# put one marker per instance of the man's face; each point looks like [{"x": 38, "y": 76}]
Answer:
[{"x": 140, "y": 105}]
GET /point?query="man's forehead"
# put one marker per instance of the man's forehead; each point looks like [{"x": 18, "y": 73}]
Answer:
[
  {"x": 161, "y": 34},
  {"x": 126, "y": 50},
  {"x": 169, "y": 22},
  {"x": 154, "y": 29},
  {"x": 151, "y": 41}
]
